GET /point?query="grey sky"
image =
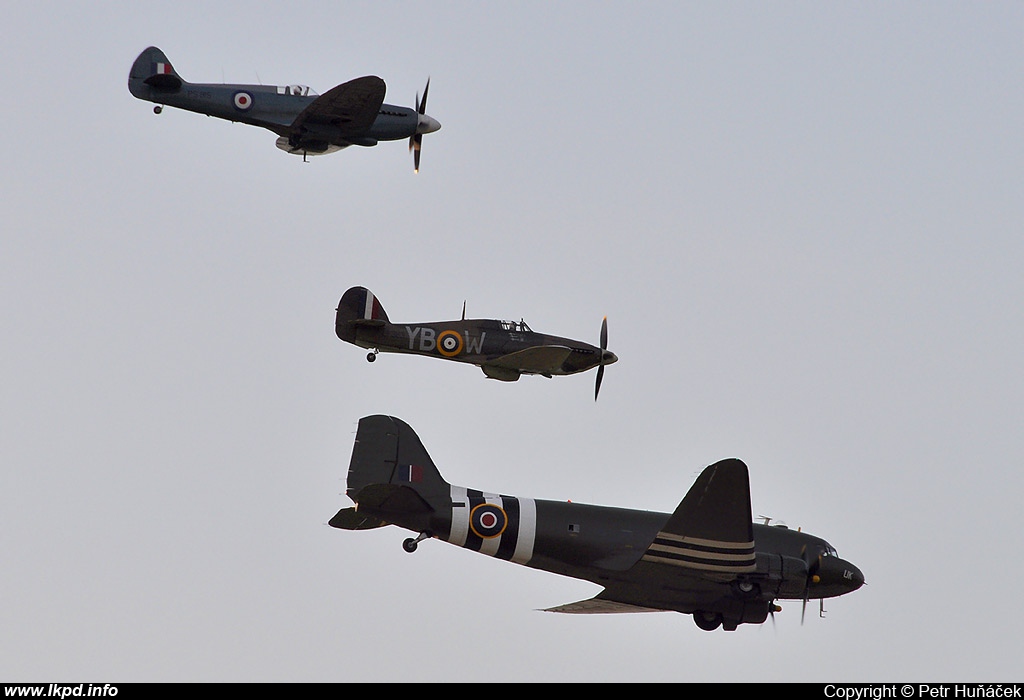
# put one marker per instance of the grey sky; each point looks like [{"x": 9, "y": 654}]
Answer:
[{"x": 803, "y": 222}]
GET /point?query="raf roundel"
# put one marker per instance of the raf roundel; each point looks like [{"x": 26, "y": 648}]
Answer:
[
  {"x": 449, "y": 343},
  {"x": 243, "y": 100},
  {"x": 487, "y": 520}
]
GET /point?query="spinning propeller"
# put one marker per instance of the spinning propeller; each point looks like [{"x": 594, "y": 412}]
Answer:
[
  {"x": 812, "y": 577},
  {"x": 425, "y": 125}
]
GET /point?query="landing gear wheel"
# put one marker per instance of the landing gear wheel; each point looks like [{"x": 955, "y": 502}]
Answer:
[
  {"x": 158, "y": 109},
  {"x": 707, "y": 621},
  {"x": 371, "y": 356},
  {"x": 410, "y": 545}
]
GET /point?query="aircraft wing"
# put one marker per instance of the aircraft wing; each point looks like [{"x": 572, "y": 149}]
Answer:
[
  {"x": 351, "y": 107},
  {"x": 542, "y": 359},
  {"x": 597, "y": 606},
  {"x": 711, "y": 531}
]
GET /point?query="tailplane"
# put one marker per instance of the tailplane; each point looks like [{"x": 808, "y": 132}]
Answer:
[{"x": 153, "y": 74}]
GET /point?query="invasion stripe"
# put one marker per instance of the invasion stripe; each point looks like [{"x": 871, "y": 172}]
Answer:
[
  {"x": 514, "y": 544},
  {"x": 460, "y": 516},
  {"x": 508, "y": 539},
  {"x": 700, "y": 553},
  {"x": 527, "y": 531},
  {"x": 702, "y": 542}
]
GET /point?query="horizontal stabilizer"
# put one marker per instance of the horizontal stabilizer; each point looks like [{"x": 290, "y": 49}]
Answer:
[
  {"x": 543, "y": 359},
  {"x": 351, "y": 519},
  {"x": 597, "y": 606},
  {"x": 162, "y": 81},
  {"x": 392, "y": 498}
]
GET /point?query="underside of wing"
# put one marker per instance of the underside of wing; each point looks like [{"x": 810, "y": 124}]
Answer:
[
  {"x": 350, "y": 107},
  {"x": 543, "y": 359},
  {"x": 597, "y": 606}
]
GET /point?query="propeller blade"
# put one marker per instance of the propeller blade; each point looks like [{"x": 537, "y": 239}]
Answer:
[
  {"x": 421, "y": 106},
  {"x": 416, "y": 153},
  {"x": 812, "y": 571},
  {"x": 600, "y": 366}
]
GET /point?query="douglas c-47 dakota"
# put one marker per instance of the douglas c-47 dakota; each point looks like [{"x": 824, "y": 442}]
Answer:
[{"x": 706, "y": 559}]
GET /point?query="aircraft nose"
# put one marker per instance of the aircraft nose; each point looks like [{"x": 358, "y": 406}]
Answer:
[
  {"x": 856, "y": 577},
  {"x": 608, "y": 357},
  {"x": 427, "y": 125}
]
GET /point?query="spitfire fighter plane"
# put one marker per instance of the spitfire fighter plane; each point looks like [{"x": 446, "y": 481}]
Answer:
[
  {"x": 504, "y": 350},
  {"x": 351, "y": 114},
  {"x": 707, "y": 558}
]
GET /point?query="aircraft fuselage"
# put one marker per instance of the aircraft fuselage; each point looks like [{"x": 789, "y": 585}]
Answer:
[
  {"x": 607, "y": 546},
  {"x": 473, "y": 341},
  {"x": 271, "y": 107}
]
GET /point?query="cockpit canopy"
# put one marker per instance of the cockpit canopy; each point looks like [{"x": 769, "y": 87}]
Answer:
[
  {"x": 515, "y": 326},
  {"x": 297, "y": 90}
]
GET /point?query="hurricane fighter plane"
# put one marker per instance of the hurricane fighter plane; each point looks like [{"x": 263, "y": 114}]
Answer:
[
  {"x": 706, "y": 559},
  {"x": 350, "y": 114},
  {"x": 504, "y": 350}
]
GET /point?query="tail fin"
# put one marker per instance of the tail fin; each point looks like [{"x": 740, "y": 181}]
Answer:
[
  {"x": 392, "y": 478},
  {"x": 358, "y": 306},
  {"x": 152, "y": 74}
]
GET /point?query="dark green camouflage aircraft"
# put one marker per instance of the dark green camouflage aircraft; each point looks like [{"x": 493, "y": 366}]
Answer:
[
  {"x": 351, "y": 114},
  {"x": 504, "y": 350},
  {"x": 707, "y": 559}
]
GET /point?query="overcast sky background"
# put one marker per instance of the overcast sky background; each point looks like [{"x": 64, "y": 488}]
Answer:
[{"x": 803, "y": 221}]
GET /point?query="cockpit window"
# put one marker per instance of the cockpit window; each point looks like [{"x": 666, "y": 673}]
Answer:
[
  {"x": 515, "y": 326},
  {"x": 297, "y": 90}
]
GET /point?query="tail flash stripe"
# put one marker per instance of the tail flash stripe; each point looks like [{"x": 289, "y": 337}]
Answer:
[{"x": 368, "y": 307}]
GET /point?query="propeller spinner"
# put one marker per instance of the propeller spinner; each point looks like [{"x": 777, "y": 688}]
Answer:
[{"x": 425, "y": 125}]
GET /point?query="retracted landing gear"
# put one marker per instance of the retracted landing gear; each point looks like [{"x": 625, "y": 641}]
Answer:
[
  {"x": 372, "y": 355},
  {"x": 410, "y": 544}
]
